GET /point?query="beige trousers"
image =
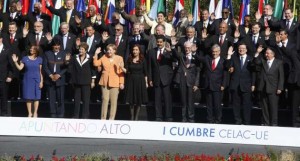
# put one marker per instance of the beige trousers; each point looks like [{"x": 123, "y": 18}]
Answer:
[{"x": 109, "y": 94}]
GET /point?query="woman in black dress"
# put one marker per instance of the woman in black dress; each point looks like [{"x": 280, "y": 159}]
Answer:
[{"x": 136, "y": 81}]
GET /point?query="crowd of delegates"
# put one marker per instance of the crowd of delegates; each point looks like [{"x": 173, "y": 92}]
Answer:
[{"x": 234, "y": 64}]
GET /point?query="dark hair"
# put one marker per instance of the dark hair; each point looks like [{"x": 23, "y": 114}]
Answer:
[
  {"x": 84, "y": 45},
  {"x": 284, "y": 31},
  {"x": 161, "y": 12},
  {"x": 160, "y": 37},
  {"x": 141, "y": 55},
  {"x": 36, "y": 48}
]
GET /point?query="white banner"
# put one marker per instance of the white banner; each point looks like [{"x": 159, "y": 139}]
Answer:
[{"x": 145, "y": 130}]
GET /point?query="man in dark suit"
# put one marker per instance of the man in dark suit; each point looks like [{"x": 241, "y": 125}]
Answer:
[
  {"x": 265, "y": 18},
  {"x": 138, "y": 37},
  {"x": 203, "y": 24},
  {"x": 190, "y": 37},
  {"x": 15, "y": 42},
  {"x": 67, "y": 39},
  {"x": 92, "y": 38},
  {"x": 6, "y": 75},
  {"x": 111, "y": 28},
  {"x": 120, "y": 40},
  {"x": 214, "y": 29},
  {"x": 270, "y": 85},
  {"x": 289, "y": 24},
  {"x": 160, "y": 77},
  {"x": 14, "y": 15},
  {"x": 38, "y": 38},
  {"x": 37, "y": 15},
  {"x": 93, "y": 19},
  {"x": 68, "y": 15},
  {"x": 223, "y": 39},
  {"x": 55, "y": 68},
  {"x": 187, "y": 76},
  {"x": 242, "y": 84}
]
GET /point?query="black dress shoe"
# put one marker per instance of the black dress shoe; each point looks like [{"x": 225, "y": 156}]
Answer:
[{"x": 158, "y": 119}]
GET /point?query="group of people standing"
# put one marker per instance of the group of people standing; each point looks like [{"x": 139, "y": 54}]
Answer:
[{"x": 231, "y": 64}]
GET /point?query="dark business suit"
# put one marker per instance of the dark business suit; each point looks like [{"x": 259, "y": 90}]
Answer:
[
  {"x": 210, "y": 41},
  {"x": 31, "y": 18},
  {"x": 196, "y": 41},
  {"x": 214, "y": 29},
  {"x": 5, "y": 72},
  {"x": 62, "y": 13},
  {"x": 199, "y": 27},
  {"x": 212, "y": 83},
  {"x": 94, "y": 44},
  {"x": 110, "y": 28},
  {"x": 161, "y": 74},
  {"x": 263, "y": 25},
  {"x": 269, "y": 81},
  {"x": 6, "y": 19},
  {"x": 282, "y": 24},
  {"x": 187, "y": 76},
  {"x": 122, "y": 47},
  {"x": 241, "y": 80},
  {"x": 142, "y": 40},
  {"x": 70, "y": 45},
  {"x": 87, "y": 21},
  {"x": 82, "y": 73},
  {"x": 44, "y": 44},
  {"x": 293, "y": 81},
  {"x": 55, "y": 64}
]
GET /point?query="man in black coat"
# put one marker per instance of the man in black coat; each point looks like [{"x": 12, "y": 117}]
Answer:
[
  {"x": 187, "y": 76},
  {"x": 242, "y": 83},
  {"x": 270, "y": 85},
  {"x": 67, "y": 39},
  {"x": 160, "y": 77},
  {"x": 55, "y": 68},
  {"x": 6, "y": 75}
]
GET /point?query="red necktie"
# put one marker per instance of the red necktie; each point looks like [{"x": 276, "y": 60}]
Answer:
[
  {"x": 11, "y": 39},
  {"x": 117, "y": 41},
  {"x": 159, "y": 55},
  {"x": 213, "y": 65},
  {"x": 266, "y": 22},
  {"x": 221, "y": 40}
]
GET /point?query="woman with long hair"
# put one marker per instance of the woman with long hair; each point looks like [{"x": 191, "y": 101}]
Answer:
[
  {"x": 32, "y": 80},
  {"x": 136, "y": 81}
]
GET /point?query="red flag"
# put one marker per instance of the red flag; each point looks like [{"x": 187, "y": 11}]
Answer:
[
  {"x": 44, "y": 9},
  {"x": 25, "y": 8},
  {"x": 143, "y": 3},
  {"x": 93, "y": 2},
  {"x": 260, "y": 6}
]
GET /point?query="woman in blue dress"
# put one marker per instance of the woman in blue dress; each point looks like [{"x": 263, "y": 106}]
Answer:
[{"x": 32, "y": 80}]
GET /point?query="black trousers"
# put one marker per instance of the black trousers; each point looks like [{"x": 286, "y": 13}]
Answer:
[
  {"x": 56, "y": 94},
  {"x": 187, "y": 101},
  {"x": 82, "y": 93},
  {"x": 214, "y": 108},
  {"x": 295, "y": 103},
  {"x": 3, "y": 99},
  {"x": 242, "y": 101},
  {"x": 166, "y": 92},
  {"x": 269, "y": 107}
]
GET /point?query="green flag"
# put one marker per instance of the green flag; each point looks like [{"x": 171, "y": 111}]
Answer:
[
  {"x": 161, "y": 6},
  {"x": 56, "y": 19},
  {"x": 278, "y": 9}
]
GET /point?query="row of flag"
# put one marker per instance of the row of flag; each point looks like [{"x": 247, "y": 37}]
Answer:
[{"x": 157, "y": 6}]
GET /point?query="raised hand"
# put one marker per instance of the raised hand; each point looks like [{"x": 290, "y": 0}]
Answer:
[
  {"x": 19, "y": 6},
  {"x": 68, "y": 57},
  {"x": 98, "y": 17},
  {"x": 168, "y": 47},
  {"x": 204, "y": 34},
  {"x": 174, "y": 41},
  {"x": 236, "y": 23},
  {"x": 190, "y": 18},
  {"x": 259, "y": 49},
  {"x": 237, "y": 33},
  {"x": 230, "y": 51},
  {"x": 78, "y": 42},
  {"x": 105, "y": 36},
  {"x": 25, "y": 31},
  {"x": 278, "y": 39},
  {"x": 77, "y": 19},
  {"x": 48, "y": 36},
  {"x": 257, "y": 15},
  {"x": 98, "y": 51},
  {"x": 267, "y": 31},
  {"x": 14, "y": 57}
]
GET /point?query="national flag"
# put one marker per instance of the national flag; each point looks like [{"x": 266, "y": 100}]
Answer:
[
  {"x": 278, "y": 9},
  {"x": 296, "y": 15},
  {"x": 211, "y": 7},
  {"x": 25, "y": 6},
  {"x": 129, "y": 9},
  {"x": 260, "y": 6},
  {"x": 161, "y": 6},
  {"x": 99, "y": 4},
  {"x": 148, "y": 4},
  {"x": 56, "y": 19},
  {"x": 294, "y": 8},
  {"x": 44, "y": 8},
  {"x": 32, "y": 5},
  {"x": 244, "y": 10},
  {"x": 178, "y": 7},
  {"x": 80, "y": 7},
  {"x": 93, "y": 2},
  {"x": 228, "y": 4},
  {"x": 110, "y": 9},
  {"x": 153, "y": 11},
  {"x": 218, "y": 11},
  {"x": 143, "y": 2},
  {"x": 195, "y": 11}
]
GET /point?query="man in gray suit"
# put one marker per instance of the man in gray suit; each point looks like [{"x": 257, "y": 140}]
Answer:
[{"x": 270, "y": 85}]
